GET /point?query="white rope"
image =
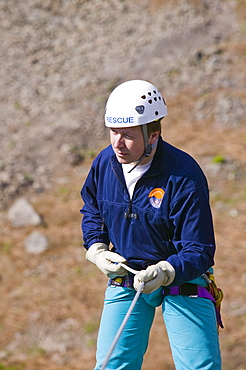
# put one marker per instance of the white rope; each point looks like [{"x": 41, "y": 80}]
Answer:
[
  {"x": 135, "y": 272},
  {"x": 121, "y": 328}
]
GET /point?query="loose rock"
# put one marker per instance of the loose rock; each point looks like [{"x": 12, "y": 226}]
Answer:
[
  {"x": 36, "y": 243},
  {"x": 22, "y": 213}
]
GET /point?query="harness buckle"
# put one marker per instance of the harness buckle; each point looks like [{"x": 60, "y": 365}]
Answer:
[{"x": 122, "y": 281}]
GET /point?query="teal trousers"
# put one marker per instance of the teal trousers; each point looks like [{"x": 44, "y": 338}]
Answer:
[{"x": 190, "y": 323}]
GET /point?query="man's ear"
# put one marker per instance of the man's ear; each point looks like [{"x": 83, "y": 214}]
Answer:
[{"x": 154, "y": 136}]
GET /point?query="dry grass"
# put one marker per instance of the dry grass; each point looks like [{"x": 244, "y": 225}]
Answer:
[
  {"x": 58, "y": 295},
  {"x": 42, "y": 295}
]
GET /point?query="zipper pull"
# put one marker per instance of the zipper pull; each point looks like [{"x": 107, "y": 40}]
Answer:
[{"x": 129, "y": 213}]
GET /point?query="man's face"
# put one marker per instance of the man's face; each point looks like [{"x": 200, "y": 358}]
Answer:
[{"x": 127, "y": 143}]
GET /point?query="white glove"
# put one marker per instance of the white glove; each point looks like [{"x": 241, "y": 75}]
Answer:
[
  {"x": 155, "y": 276},
  {"x": 106, "y": 261}
]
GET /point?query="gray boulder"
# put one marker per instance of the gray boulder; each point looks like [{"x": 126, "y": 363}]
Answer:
[
  {"x": 22, "y": 213},
  {"x": 36, "y": 243}
]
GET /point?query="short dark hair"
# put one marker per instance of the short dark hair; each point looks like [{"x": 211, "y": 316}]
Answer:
[{"x": 154, "y": 126}]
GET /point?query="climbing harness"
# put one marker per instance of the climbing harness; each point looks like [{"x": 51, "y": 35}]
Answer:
[{"x": 211, "y": 291}]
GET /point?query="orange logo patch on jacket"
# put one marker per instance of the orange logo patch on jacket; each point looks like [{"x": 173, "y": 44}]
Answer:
[{"x": 155, "y": 197}]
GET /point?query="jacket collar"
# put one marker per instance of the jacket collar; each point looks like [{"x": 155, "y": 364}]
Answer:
[{"x": 155, "y": 168}]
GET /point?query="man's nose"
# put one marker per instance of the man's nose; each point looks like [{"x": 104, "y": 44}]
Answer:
[{"x": 119, "y": 142}]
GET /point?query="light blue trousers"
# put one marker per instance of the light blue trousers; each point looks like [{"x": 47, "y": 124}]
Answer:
[{"x": 190, "y": 324}]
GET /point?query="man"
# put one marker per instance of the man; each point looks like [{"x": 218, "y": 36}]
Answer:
[{"x": 146, "y": 204}]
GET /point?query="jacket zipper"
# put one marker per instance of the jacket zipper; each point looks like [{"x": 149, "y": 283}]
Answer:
[{"x": 129, "y": 213}]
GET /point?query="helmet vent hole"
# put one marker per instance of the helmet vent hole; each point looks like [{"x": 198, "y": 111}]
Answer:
[
  {"x": 156, "y": 112},
  {"x": 159, "y": 98},
  {"x": 154, "y": 92},
  {"x": 155, "y": 98},
  {"x": 149, "y": 93},
  {"x": 143, "y": 96},
  {"x": 150, "y": 101}
]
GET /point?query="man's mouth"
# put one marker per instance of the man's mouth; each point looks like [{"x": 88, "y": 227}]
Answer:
[{"x": 120, "y": 154}]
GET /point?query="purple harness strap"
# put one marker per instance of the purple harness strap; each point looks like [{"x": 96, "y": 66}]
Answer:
[
  {"x": 188, "y": 289},
  {"x": 123, "y": 281},
  {"x": 196, "y": 291},
  {"x": 193, "y": 290}
]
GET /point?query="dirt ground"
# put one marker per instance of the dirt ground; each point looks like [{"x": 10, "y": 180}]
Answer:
[{"x": 50, "y": 303}]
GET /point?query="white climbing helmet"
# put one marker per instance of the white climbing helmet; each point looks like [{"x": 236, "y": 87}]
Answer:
[{"x": 134, "y": 103}]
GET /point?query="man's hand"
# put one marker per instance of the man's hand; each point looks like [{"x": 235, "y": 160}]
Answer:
[
  {"x": 108, "y": 262},
  {"x": 155, "y": 276}
]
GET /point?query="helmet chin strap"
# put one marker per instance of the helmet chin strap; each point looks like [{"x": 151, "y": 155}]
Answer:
[{"x": 148, "y": 147}]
